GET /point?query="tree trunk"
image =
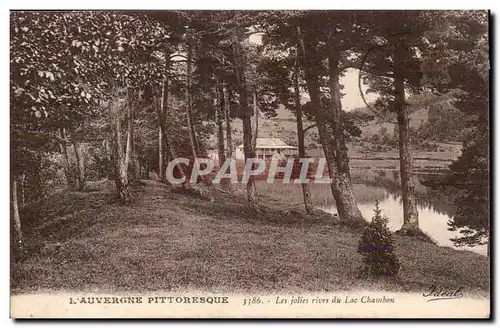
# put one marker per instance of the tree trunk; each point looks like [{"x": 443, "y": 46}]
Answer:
[
  {"x": 160, "y": 153},
  {"x": 249, "y": 154},
  {"x": 145, "y": 171},
  {"x": 17, "y": 220},
  {"x": 128, "y": 146},
  {"x": 63, "y": 147},
  {"x": 80, "y": 165},
  {"x": 121, "y": 178},
  {"x": 110, "y": 156},
  {"x": 168, "y": 152},
  {"x": 256, "y": 130},
  {"x": 162, "y": 144},
  {"x": 245, "y": 116},
  {"x": 189, "y": 109},
  {"x": 349, "y": 205},
  {"x": 227, "y": 111},
  {"x": 136, "y": 165},
  {"x": 23, "y": 189},
  {"x": 410, "y": 212},
  {"x": 130, "y": 158},
  {"x": 219, "y": 112},
  {"x": 340, "y": 187},
  {"x": 306, "y": 191},
  {"x": 256, "y": 118},
  {"x": 325, "y": 140}
]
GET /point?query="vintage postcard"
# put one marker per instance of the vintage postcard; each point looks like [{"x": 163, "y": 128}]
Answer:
[{"x": 250, "y": 164}]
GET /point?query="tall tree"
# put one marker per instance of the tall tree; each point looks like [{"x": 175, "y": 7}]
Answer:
[
  {"x": 392, "y": 68},
  {"x": 189, "y": 104},
  {"x": 220, "y": 105},
  {"x": 458, "y": 65},
  {"x": 310, "y": 33},
  {"x": 328, "y": 119},
  {"x": 63, "y": 147},
  {"x": 306, "y": 191},
  {"x": 80, "y": 164},
  {"x": 120, "y": 167},
  {"x": 227, "y": 113}
]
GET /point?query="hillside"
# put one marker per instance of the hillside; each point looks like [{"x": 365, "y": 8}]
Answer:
[
  {"x": 168, "y": 240},
  {"x": 364, "y": 152},
  {"x": 284, "y": 126}
]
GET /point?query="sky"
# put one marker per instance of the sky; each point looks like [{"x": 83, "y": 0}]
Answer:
[{"x": 352, "y": 98}]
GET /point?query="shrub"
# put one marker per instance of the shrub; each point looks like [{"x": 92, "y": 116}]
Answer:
[{"x": 377, "y": 247}]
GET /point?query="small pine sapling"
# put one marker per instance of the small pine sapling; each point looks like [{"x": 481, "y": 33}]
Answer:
[{"x": 377, "y": 247}]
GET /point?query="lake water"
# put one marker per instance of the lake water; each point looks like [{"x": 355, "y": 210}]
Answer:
[{"x": 434, "y": 209}]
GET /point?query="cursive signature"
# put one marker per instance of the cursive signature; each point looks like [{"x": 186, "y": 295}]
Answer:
[{"x": 436, "y": 293}]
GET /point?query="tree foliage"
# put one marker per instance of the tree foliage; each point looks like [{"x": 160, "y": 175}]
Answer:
[
  {"x": 83, "y": 78},
  {"x": 463, "y": 70}
]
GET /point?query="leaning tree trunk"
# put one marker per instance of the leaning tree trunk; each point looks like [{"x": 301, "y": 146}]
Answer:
[
  {"x": 410, "y": 212},
  {"x": 121, "y": 178},
  {"x": 341, "y": 190},
  {"x": 128, "y": 146},
  {"x": 80, "y": 165},
  {"x": 17, "y": 220},
  {"x": 306, "y": 191},
  {"x": 227, "y": 112},
  {"x": 244, "y": 114},
  {"x": 343, "y": 176},
  {"x": 325, "y": 140}
]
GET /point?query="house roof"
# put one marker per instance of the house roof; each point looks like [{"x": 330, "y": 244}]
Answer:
[{"x": 271, "y": 143}]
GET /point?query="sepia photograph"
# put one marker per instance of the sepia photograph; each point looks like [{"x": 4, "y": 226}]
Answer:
[{"x": 250, "y": 164}]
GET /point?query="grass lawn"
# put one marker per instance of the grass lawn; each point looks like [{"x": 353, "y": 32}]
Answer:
[{"x": 84, "y": 241}]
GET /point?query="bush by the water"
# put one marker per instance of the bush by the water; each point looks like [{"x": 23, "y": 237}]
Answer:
[{"x": 377, "y": 247}]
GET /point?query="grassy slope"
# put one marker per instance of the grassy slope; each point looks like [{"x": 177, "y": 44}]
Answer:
[{"x": 172, "y": 241}]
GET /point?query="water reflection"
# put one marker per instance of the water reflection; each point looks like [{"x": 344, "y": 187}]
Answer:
[{"x": 435, "y": 208}]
